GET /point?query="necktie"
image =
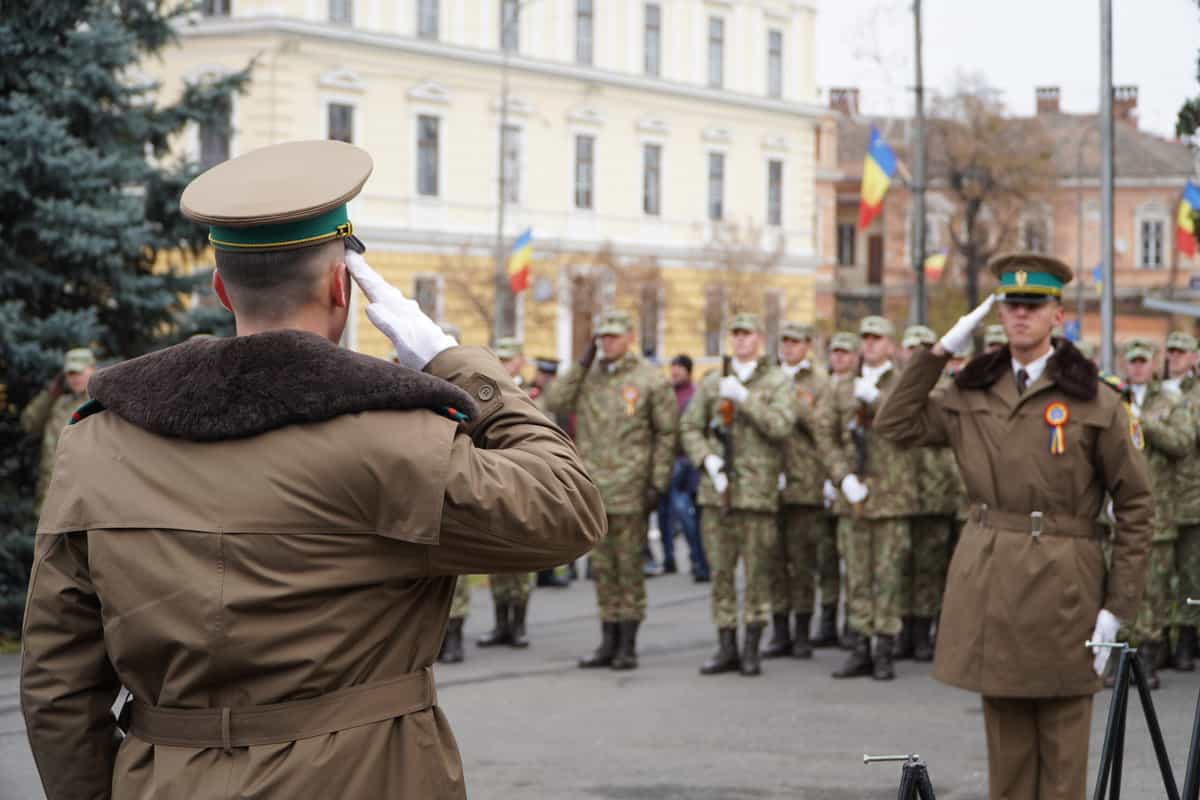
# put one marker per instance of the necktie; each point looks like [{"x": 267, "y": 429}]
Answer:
[{"x": 1022, "y": 381}]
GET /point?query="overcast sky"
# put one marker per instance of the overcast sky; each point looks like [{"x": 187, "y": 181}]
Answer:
[{"x": 1014, "y": 45}]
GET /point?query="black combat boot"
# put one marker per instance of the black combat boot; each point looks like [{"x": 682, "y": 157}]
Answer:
[
  {"x": 858, "y": 663},
  {"x": 1162, "y": 651},
  {"x": 452, "y": 645},
  {"x": 1147, "y": 655},
  {"x": 502, "y": 633},
  {"x": 549, "y": 578},
  {"x": 751, "y": 659},
  {"x": 626, "y": 657},
  {"x": 846, "y": 640},
  {"x": 781, "y": 638},
  {"x": 1185, "y": 653},
  {"x": 518, "y": 626},
  {"x": 827, "y": 631},
  {"x": 726, "y": 658},
  {"x": 922, "y": 642},
  {"x": 885, "y": 646},
  {"x": 801, "y": 646},
  {"x": 902, "y": 648},
  {"x": 603, "y": 657}
]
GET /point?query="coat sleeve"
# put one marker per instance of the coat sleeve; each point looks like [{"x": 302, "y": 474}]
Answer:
[
  {"x": 664, "y": 419},
  {"x": 1172, "y": 433},
  {"x": 1126, "y": 477},
  {"x": 563, "y": 394},
  {"x": 37, "y": 413},
  {"x": 829, "y": 433},
  {"x": 693, "y": 426},
  {"x": 68, "y": 685},
  {"x": 912, "y": 415},
  {"x": 772, "y": 411},
  {"x": 517, "y": 496}
]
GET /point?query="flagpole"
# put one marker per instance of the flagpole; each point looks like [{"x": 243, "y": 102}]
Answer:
[
  {"x": 1106, "y": 186},
  {"x": 917, "y": 313}
]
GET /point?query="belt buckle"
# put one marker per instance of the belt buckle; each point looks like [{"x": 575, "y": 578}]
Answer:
[
  {"x": 1036, "y": 519},
  {"x": 983, "y": 515}
]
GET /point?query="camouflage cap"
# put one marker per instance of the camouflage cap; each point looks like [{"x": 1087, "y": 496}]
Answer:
[
  {"x": 797, "y": 331},
  {"x": 508, "y": 348},
  {"x": 844, "y": 340},
  {"x": 1181, "y": 340},
  {"x": 78, "y": 360},
  {"x": 745, "y": 321},
  {"x": 994, "y": 334},
  {"x": 876, "y": 326},
  {"x": 1139, "y": 348},
  {"x": 613, "y": 323},
  {"x": 917, "y": 335}
]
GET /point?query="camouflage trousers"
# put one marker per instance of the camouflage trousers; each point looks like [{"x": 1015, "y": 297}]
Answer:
[
  {"x": 924, "y": 576},
  {"x": 1187, "y": 562},
  {"x": 803, "y": 553},
  {"x": 511, "y": 589},
  {"x": 460, "y": 606},
  {"x": 875, "y": 552},
  {"x": 617, "y": 569},
  {"x": 1158, "y": 601},
  {"x": 750, "y": 536}
]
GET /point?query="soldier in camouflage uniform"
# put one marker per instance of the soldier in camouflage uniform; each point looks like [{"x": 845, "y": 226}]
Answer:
[
  {"x": 805, "y": 528},
  {"x": 510, "y": 593},
  {"x": 739, "y": 490},
  {"x": 50, "y": 411},
  {"x": 843, "y": 362},
  {"x": 878, "y": 479},
  {"x": 460, "y": 607},
  {"x": 1181, "y": 364},
  {"x": 1169, "y": 434},
  {"x": 626, "y": 424}
]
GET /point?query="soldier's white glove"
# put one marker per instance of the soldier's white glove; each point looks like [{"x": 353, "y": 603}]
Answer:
[
  {"x": 416, "y": 337},
  {"x": 713, "y": 464},
  {"x": 1135, "y": 410},
  {"x": 830, "y": 493},
  {"x": 1106, "y": 631},
  {"x": 958, "y": 336},
  {"x": 782, "y": 481},
  {"x": 865, "y": 390},
  {"x": 732, "y": 389},
  {"x": 854, "y": 489}
]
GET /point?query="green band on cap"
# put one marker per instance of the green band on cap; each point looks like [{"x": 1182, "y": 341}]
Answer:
[
  {"x": 1023, "y": 282},
  {"x": 333, "y": 224}
]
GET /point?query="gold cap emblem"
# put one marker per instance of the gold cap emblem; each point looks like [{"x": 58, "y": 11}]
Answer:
[{"x": 1022, "y": 277}]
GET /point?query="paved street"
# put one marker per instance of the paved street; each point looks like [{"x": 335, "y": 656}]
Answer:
[{"x": 532, "y": 725}]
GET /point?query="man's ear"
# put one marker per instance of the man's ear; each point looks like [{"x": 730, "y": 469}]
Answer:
[
  {"x": 339, "y": 287},
  {"x": 218, "y": 284}
]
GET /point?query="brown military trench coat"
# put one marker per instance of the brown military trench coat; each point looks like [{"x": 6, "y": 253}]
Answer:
[
  {"x": 260, "y": 535},
  {"x": 1018, "y": 607}
]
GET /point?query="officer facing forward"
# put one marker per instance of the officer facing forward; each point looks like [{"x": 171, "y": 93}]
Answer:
[
  {"x": 258, "y": 535},
  {"x": 1039, "y": 441}
]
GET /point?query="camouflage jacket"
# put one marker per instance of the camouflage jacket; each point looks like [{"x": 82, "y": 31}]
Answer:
[
  {"x": 803, "y": 465},
  {"x": 1187, "y": 470},
  {"x": 45, "y": 417},
  {"x": 940, "y": 489},
  {"x": 890, "y": 470},
  {"x": 626, "y": 421},
  {"x": 760, "y": 426},
  {"x": 1170, "y": 435}
]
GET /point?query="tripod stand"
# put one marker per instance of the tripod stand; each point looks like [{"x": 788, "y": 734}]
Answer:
[{"x": 914, "y": 776}]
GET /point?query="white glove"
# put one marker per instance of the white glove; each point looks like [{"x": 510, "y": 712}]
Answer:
[
  {"x": 854, "y": 489},
  {"x": 1106, "y": 631},
  {"x": 1135, "y": 410},
  {"x": 732, "y": 389},
  {"x": 713, "y": 464},
  {"x": 830, "y": 494},
  {"x": 416, "y": 337},
  {"x": 865, "y": 390},
  {"x": 958, "y": 336},
  {"x": 782, "y": 481}
]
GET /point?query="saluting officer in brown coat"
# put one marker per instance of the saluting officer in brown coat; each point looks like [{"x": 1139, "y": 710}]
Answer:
[
  {"x": 258, "y": 536},
  {"x": 1040, "y": 441}
]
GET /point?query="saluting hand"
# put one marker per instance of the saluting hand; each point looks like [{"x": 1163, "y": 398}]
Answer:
[
  {"x": 957, "y": 337},
  {"x": 416, "y": 337}
]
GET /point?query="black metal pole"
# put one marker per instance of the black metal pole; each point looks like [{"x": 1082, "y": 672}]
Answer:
[
  {"x": 1118, "y": 761},
  {"x": 1110, "y": 730},
  {"x": 1160, "y": 747},
  {"x": 908, "y": 786},
  {"x": 924, "y": 783},
  {"x": 1191, "y": 782}
]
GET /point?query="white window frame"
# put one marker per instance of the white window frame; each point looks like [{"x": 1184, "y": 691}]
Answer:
[
  {"x": 591, "y": 53},
  {"x": 658, "y": 65},
  {"x": 437, "y": 20},
  {"x": 708, "y": 153},
  {"x": 440, "y": 281},
  {"x": 708, "y": 60},
  {"x": 1152, "y": 211},
  {"x": 782, "y": 192},
  {"x": 355, "y": 121},
  {"x": 782, "y": 63},
  {"x": 662, "y": 171},
  {"x": 350, "y": 9},
  {"x": 574, "y": 139},
  {"x": 415, "y": 127},
  {"x": 522, "y": 160}
]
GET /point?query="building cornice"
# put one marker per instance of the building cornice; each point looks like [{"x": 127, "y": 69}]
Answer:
[{"x": 217, "y": 28}]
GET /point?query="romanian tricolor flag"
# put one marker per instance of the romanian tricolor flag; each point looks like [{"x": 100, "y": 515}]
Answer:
[
  {"x": 935, "y": 264},
  {"x": 878, "y": 169},
  {"x": 1185, "y": 229},
  {"x": 518, "y": 262}
]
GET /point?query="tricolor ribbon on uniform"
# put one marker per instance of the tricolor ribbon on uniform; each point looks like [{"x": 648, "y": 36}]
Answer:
[{"x": 1056, "y": 416}]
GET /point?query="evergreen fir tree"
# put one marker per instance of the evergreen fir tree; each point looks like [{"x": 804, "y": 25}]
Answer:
[{"x": 91, "y": 237}]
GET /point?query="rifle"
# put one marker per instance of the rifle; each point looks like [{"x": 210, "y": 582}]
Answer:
[
  {"x": 857, "y": 428},
  {"x": 722, "y": 428}
]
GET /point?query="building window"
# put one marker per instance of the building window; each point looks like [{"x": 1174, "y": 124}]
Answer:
[
  {"x": 1151, "y": 251},
  {"x": 427, "y": 155},
  {"x": 845, "y": 244},
  {"x": 340, "y": 124},
  {"x": 585, "y": 153},
  {"x": 427, "y": 19},
  {"x": 652, "y": 36},
  {"x": 716, "y": 186},
  {"x": 427, "y": 293},
  {"x": 584, "y": 26},
  {"x": 214, "y": 142},
  {"x": 649, "y": 314},
  {"x": 512, "y": 164},
  {"x": 714, "y": 319},
  {"x": 775, "y": 63},
  {"x": 716, "y": 52},
  {"x": 775, "y": 193},
  {"x": 652, "y": 179},
  {"x": 1034, "y": 236},
  {"x": 341, "y": 12},
  {"x": 216, "y": 8},
  {"x": 510, "y": 25}
]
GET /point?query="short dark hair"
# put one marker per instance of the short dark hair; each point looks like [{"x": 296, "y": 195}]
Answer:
[
  {"x": 273, "y": 284},
  {"x": 683, "y": 360}
]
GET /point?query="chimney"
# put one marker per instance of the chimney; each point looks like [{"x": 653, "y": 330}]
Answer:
[
  {"x": 845, "y": 100},
  {"x": 1047, "y": 100},
  {"x": 1125, "y": 104}
]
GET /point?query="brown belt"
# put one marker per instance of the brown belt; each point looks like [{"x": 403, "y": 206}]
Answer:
[
  {"x": 244, "y": 726},
  {"x": 1034, "y": 524}
]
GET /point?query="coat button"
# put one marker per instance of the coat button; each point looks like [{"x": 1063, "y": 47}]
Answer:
[{"x": 486, "y": 392}]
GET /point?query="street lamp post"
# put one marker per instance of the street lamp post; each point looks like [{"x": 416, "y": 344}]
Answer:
[
  {"x": 1080, "y": 303},
  {"x": 1106, "y": 186}
]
